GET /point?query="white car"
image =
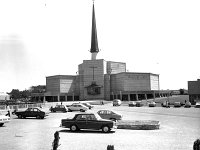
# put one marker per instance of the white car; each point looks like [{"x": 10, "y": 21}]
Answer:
[
  {"x": 77, "y": 107},
  {"x": 197, "y": 105},
  {"x": 3, "y": 119}
]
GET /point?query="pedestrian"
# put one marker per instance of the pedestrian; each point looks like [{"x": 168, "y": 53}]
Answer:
[{"x": 8, "y": 114}]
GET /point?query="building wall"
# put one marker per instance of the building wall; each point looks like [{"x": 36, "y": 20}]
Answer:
[
  {"x": 154, "y": 82},
  {"x": 115, "y": 67},
  {"x": 194, "y": 87},
  {"x": 136, "y": 82},
  {"x": 128, "y": 81},
  {"x": 107, "y": 86},
  {"x": 89, "y": 71},
  {"x": 62, "y": 84}
]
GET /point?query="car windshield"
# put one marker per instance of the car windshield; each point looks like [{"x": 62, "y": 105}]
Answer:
[{"x": 97, "y": 116}]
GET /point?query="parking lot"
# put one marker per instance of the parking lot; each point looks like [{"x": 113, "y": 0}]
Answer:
[{"x": 179, "y": 128}]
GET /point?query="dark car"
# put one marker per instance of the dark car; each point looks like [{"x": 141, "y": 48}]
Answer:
[
  {"x": 132, "y": 104},
  {"x": 61, "y": 108},
  {"x": 88, "y": 121},
  {"x": 117, "y": 102},
  {"x": 139, "y": 104},
  {"x": 177, "y": 104},
  {"x": 152, "y": 104},
  {"x": 108, "y": 114},
  {"x": 32, "y": 112}
]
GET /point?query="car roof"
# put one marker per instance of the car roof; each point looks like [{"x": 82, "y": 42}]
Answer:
[{"x": 85, "y": 113}]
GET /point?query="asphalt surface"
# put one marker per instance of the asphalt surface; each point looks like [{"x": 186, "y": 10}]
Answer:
[{"x": 179, "y": 128}]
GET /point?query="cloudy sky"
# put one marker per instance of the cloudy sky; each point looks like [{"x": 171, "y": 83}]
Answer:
[{"x": 40, "y": 38}]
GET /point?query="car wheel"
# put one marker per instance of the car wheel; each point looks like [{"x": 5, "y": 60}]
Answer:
[
  {"x": 38, "y": 117},
  {"x": 73, "y": 128},
  {"x": 1, "y": 124},
  {"x": 105, "y": 129},
  {"x": 20, "y": 116}
]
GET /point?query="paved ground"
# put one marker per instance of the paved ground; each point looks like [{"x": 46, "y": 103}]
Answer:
[{"x": 180, "y": 127}]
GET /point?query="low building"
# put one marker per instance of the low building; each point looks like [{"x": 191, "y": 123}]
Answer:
[{"x": 194, "y": 91}]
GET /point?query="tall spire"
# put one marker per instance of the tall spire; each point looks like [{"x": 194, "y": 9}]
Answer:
[{"x": 94, "y": 41}]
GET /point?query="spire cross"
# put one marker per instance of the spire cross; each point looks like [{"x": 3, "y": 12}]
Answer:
[{"x": 93, "y": 67}]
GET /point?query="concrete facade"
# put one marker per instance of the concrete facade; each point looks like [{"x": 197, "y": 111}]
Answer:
[
  {"x": 100, "y": 79},
  {"x": 194, "y": 90},
  {"x": 95, "y": 81}
]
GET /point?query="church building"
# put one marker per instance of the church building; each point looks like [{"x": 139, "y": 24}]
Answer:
[{"x": 98, "y": 79}]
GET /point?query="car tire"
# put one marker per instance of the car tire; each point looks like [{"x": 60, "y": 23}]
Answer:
[
  {"x": 1, "y": 124},
  {"x": 73, "y": 128},
  {"x": 20, "y": 116},
  {"x": 105, "y": 129},
  {"x": 38, "y": 117}
]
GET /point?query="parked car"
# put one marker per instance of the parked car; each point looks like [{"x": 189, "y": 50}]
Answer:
[
  {"x": 117, "y": 102},
  {"x": 177, "y": 104},
  {"x": 152, "y": 104},
  {"x": 61, "y": 108},
  {"x": 37, "y": 112},
  {"x": 132, "y": 104},
  {"x": 187, "y": 104},
  {"x": 4, "y": 119},
  {"x": 165, "y": 104},
  {"x": 88, "y": 105},
  {"x": 77, "y": 107},
  {"x": 88, "y": 121},
  {"x": 139, "y": 104},
  {"x": 108, "y": 114},
  {"x": 197, "y": 105}
]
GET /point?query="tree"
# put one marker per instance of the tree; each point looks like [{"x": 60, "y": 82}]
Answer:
[
  {"x": 182, "y": 91},
  {"x": 15, "y": 94},
  {"x": 25, "y": 94}
]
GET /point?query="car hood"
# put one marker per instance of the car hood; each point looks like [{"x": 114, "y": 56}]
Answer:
[
  {"x": 4, "y": 117},
  {"x": 105, "y": 120}
]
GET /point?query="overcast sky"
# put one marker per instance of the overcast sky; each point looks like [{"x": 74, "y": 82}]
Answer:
[{"x": 40, "y": 38}]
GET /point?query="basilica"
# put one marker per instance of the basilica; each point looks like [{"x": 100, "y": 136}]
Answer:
[{"x": 98, "y": 79}]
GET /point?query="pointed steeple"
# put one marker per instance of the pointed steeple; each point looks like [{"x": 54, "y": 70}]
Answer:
[{"x": 94, "y": 41}]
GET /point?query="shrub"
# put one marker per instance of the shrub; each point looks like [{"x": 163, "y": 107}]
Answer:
[{"x": 196, "y": 145}]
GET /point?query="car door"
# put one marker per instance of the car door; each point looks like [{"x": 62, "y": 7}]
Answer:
[
  {"x": 92, "y": 122},
  {"x": 35, "y": 112},
  {"x": 81, "y": 121},
  {"x": 28, "y": 112},
  {"x": 104, "y": 114}
]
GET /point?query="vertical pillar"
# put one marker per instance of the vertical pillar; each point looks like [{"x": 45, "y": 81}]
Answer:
[
  {"x": 136, "y": 97},
  {"x": 154, "y": 95},
  {"x": 145, "y": 95},
  {"x": 73, "y": 96},
  {"x": 44, "y": 99},
  {"x": 128, "y": 97},
  {"x": 120, "y": 95},
  {"x": 58, "y": 98},
  {"x": 65, "y": 97}
]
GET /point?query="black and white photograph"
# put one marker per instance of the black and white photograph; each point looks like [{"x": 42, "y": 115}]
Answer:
[{"x": 99, "y": 75}]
